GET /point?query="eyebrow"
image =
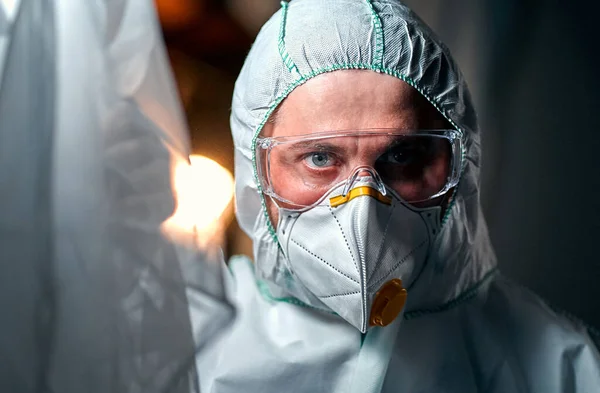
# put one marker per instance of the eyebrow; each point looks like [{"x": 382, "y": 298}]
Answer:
[
  {"x": 322, "y": 145},
  {"x": 317, "y": 145}
]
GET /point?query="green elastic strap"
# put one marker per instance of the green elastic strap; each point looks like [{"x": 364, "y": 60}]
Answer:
[
  {"x": 264, "y": 290},
  {"x": 285, "y": 56},
  {"x": 379, "y": 40}
]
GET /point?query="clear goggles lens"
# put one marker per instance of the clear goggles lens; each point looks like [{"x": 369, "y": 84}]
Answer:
[{"x": 417, "y": 165}]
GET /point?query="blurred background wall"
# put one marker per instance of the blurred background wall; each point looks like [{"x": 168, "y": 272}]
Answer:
[{"x": 532, "y": 71}]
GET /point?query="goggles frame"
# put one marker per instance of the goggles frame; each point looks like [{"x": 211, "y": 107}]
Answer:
[{"x": 263, "y": 169}]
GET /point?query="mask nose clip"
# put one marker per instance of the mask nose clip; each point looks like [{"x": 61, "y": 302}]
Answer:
[{"x": 371, "y": 172}]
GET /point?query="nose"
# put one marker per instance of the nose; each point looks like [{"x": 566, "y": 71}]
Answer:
[{"x": 364, "y": 171}]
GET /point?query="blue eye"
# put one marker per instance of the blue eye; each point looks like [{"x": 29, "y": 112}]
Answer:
[{"x": 318, "y": 159}]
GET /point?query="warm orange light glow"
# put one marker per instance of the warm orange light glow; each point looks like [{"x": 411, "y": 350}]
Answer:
[
  {"x": 204, "y": 191},
  {"x": 179, "y": 13}
]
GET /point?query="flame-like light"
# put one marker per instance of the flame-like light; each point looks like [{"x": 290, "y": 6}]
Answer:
[{"x": 203, "y": 191}]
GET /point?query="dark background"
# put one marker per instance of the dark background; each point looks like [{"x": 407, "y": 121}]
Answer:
[
  {"x": 532, "y": 69},
  {"x": 69, "y": 324}
]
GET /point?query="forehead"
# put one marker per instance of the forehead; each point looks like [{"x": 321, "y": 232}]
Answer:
[{"x": 353, "y": 100}]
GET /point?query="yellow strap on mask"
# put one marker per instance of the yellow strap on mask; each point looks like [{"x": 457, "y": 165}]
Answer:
[{"x": 360, "y": 191}]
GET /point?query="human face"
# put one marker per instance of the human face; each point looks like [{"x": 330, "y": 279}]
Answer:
[{"x": 353, "y": 100}]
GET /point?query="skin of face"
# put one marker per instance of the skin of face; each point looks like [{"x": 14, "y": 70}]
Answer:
[{"x": 352, "y": 100}]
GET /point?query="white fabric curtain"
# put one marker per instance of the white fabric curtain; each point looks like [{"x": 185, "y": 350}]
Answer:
[{"x": 95, "y": 297}]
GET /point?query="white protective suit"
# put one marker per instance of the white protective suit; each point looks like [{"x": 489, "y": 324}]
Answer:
[{"x": 465, "y": 328}]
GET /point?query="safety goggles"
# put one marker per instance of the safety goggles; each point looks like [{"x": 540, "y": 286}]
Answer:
[{"x": 300, "y": 171}]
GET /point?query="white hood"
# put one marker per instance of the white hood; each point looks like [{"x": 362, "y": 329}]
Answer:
[{"x": 309, "y": 37}]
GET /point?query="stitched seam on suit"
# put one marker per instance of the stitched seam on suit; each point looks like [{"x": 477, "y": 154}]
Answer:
[{"x": 463, "y": 297}]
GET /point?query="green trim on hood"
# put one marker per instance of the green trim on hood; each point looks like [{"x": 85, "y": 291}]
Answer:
[
  {"x": 285, "y": 56},
  {"x": 463, "y": 297},
  {"x": 379, "y": 39}
]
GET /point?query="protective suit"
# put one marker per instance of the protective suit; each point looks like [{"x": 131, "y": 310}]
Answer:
[{"x": 464, "y": 327}]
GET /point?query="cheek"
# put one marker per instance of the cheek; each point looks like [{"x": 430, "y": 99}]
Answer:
[
  {"x": 279, "y": 179},
  {"x": 443, "y": 201},
  {"x": 273, "y": 211}
]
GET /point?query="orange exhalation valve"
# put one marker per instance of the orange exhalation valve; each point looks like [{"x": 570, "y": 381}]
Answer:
[{"x": 389, "y": 302}]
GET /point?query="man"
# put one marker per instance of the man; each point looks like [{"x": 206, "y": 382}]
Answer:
[{"x": 357, "y": 170}]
